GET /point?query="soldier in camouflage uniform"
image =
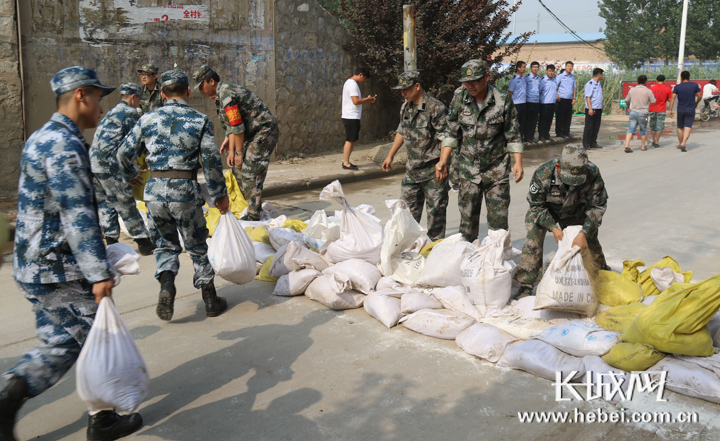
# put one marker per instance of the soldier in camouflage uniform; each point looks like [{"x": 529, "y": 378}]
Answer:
[
  {"x": 174, "y": 138},
  {"x": 483, "y": 131},
  {"x": 422, "y": 124},
  {"x": 568, "y": 191},
  {"x": 59, "y": 259},
  {"x": 113, "y": 194},
  {"x": 151, "y": 98},
  {"x": 251, "y": 134}
]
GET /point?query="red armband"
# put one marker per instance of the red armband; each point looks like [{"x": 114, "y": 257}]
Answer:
[{"x": 233, "y": 114}]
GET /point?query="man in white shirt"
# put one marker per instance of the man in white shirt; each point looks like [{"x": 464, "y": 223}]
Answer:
[
  {"x": 352, "y": 102},
  {"x": 710, "y": 94}
]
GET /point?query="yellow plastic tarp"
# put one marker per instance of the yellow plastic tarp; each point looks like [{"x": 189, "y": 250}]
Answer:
[
  {"x": 427, "y": 248},
  {"x": 296, "y": 225},
  {"x": 264, "y": 274},
  {"x": 237, "y": 203},
  {"x": 258, "y": 234},
  {"x": 676, "y": 322},
  {"x": 613, "y": 289},
  {"x": 619, "y": 318},
  {"x": 632, "y": 356}
]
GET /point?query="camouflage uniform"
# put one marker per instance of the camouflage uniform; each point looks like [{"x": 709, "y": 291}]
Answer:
[
  {"x": 113, "y": 194},
  {"x": 175, "y": 137},
  {"x": 241, "y": 111},
  {"x": 59, "y": 252},
  {"x": 553, "y": 203},
  {"x": 150, "y": 99},
  {"x": 422, "y": 128},
  {"x": 482, "y": 135}
]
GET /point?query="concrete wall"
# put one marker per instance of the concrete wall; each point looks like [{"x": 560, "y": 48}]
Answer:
[
  {"x": 559, "y": 53},
  {"x": 310, "y": 69},
  {"x": 11, "y": 110}
]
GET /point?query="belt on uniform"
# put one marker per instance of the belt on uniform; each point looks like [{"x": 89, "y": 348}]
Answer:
[{"x": 174, "y": 174}]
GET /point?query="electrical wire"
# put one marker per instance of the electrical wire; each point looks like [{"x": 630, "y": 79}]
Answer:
[{"x": 570, "y": 31}]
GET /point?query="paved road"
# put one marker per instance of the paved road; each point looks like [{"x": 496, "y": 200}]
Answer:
[{"x": 275, "y": 369}]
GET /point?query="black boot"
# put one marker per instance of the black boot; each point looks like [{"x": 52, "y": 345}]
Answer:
[
  {"x": 110, "y": 241},
  {"x": 166, "y": 300},
  {"x": 108, "y": 425},
  {"x": 214, "y": 305},
  {"x": 145, "y": 246},
  {"x": 12, "y": 398}
]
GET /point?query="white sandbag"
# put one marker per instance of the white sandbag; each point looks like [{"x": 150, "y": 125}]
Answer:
[
  {"x": 485, "y": 341},
  {"x": 487, "y": 272},
  {"x": 294, "y": 256},
  {"x": 323, "y": 227},
  {"x": 387, "y": 283},
  {"x": 231, "y": 252},
  {"x": 361, "y": 235},
  {"x": 714, "y": 325},
  {"x": 414, "y": 301},
  {"x": 525, "y": 307},
  {"x": 438, "y": 323},
  {"x": 110, "y": 372},
  {"x": 442, "y": 267},
  {"x": 400, "y": 234},
  {"x": 363, "y": 275},
  {"x": 123, "y": 260},
  {"x": 604, "y": 378},
  {"x": 263, "y": 251},
  {"x": 454, "y": 298},
  {"x": 711, "y": 363},
  {"x": 334, "y": 292},
  {"x": 523, "y": 328},
  {"x": 383, "y": 306},
  {"x": 296, "y": 282},
  {"x": 664, "y": 276},
  {"x": 409, "y": 267},
  {"x": 277, "y": 222},
  {"x": 541, "y": 359},
  {"x": 566, "y": 285},
  {"x": 688, "y": 379},
  {"x": 420, "y": 243},
  {"x": 283, "y": 236},
  {"x": 649, "y": 299},
  {"x": 580, "y": 338},
  {"x": 316, "y": 245},
  {"x": 367, "y": 209}
]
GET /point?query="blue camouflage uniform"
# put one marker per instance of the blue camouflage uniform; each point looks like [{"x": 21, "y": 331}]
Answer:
[
  {"x": 59, "y": 252},
  {"x": 114, "y": 196},
  {"x": 175, "y": 137}
]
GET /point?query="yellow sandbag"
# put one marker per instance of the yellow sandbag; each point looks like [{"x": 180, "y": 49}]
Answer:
[
  {"x": 264, "y": 274},
  {"x": 632, "y": 356},
  {"x": 141, "y": 206},
  {"x": 427, "y": 248},
  {"x": 237, "y": 203},
  {"x": 676, "y": 322},
  {"x": 139, "y": 192},
  {"x": 619, "y": 318},
  {"x": 258, "y": 234},
  {"x": 630, "y": 269},
  {"x": 613, "y": 289},
  {"x": 212, "y": 217},
  {"x": 647, "y": 283},
  {"x": 296, "y": 225}
]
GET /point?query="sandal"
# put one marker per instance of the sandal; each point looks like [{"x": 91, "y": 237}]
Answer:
[
  {"x": 352, "y": 167},
  {"x": 628, "y": 150},
  {"x": 643, "y": 149}
]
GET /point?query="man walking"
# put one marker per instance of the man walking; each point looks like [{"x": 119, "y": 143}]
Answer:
[
  {"x": 352, "y": 102},
  {"x": 548, "y": 98},
  {"x": 251, "y": 134},
  {"x": 60, "y": 264},
  {"x": 518, "y": 92},
  {"x": 532, "y": 90},
  {"x": 175, "y": 138},
  {"x": 422, "y": 122},
  {"x": 688, "y": 95},
  {"x": 593, "y": 110},
  {"x": 657, "y": 110},
  {"x": 483, "y": 131},
  {"x": 114, "y": 196},
  {"x": 151, "y": 97},
  {"x": 565, "y": 101},
  {"x": 640, "y": 98}
]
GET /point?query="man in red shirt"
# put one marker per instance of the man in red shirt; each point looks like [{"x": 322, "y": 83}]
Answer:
[{"x": 657, "y": 110}]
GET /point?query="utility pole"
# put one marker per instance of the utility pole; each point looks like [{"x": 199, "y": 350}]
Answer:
[
  {"x": 514, "y": 16},
  {"x": 681, "y": 54},
  {"x": 409, "y": 37}
]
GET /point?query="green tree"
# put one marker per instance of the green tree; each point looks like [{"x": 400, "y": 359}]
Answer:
[
  {"x": 703, "y": 29},
  {"x": 628, "y": 28},
  {"x": 448, "y": 34}
]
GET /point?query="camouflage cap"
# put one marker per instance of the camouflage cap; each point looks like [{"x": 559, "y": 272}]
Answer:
[
  {"x": 130, "y": 89},
  {"x": 74, "y": 77},
  {"x": 201, "y": 74},
  {"x": 173, "y": 76},
  {"x": 573, "y": 164},
  {"x": 149, "y": 68},
  {"x": 473, "y": 70},
  {"x": 408, "y": 79}
]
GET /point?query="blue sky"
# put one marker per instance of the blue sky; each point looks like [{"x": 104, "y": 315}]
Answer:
[{"x": 579, "y": 15}]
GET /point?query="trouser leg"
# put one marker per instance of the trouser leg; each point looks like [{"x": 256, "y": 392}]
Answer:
[
  {"x": 164, "y": 232},
  {"x": 436, "y": 199},
  {"x": 251, "y": 177},
  {"x": 125, "y": 205},
  {"x": 414, "y": 197},
  {"x": 528, "y": 271},
  {"x": 107, "y": 215},
  {"x": 531, "y": 120},
  {"x": 521, "y": 111},
  {"x": 588, "y": 130},
  {"x": 192, "y": 226},
  {"x": 596, "y": 127},
  {"x": 64, "y": 313},
  {"x": 469, "y": 202},
  {"x": 497, "y": 200}
]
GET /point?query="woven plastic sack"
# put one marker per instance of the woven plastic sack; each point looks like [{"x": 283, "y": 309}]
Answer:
[
  {"x": 438, "y": 323},
  {"x": 632, "y": 356},
  {"x": 580, "y": 338},
  {"x": 110, "y": 372},
  {"x": 619, "y": 318},
  {"x": 648, "y": 284},
  {"x": 400, "y": 234},
  {"x": 484, "y": 341},
  {"x": 442, "y": 267},
  {"x": 613, "y": 289},
  {"x": 541, "y": 359},
  {"x": 231, "y": 252}
]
